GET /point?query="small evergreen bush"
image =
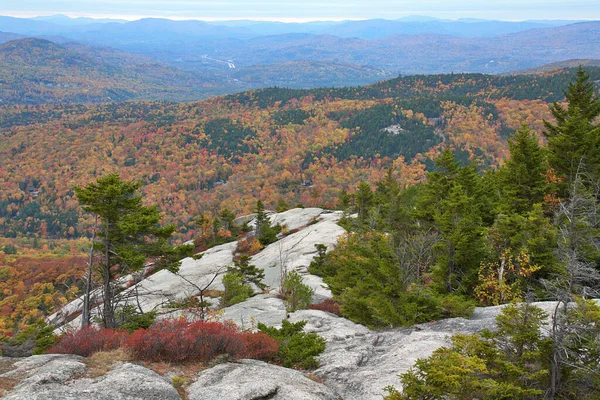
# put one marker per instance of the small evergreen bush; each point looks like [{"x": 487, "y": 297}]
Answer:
[
  {"x": 129, "y": 319},
  {"x": 296, "y": 294},
  {"x": 297, "y": 349},
  {"x": 236, "y": 290}
]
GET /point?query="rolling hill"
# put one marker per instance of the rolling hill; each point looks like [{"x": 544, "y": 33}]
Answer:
[
  {"x": 39, "y": 71},
  {"x": 298, "y": 146}
]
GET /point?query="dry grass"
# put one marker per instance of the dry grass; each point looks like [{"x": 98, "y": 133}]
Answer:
[
  {"x": 314, "y": 378},
  {"x": 6, "y": 385},
  {"x": 212, "y": 293},
  {"x": 181, "y": 375},
  {"x": 100, "y": 363}
]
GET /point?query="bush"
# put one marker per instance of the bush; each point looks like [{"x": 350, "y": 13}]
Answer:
[
  {"x": 509, "y": 363},
  {"x": 129, "y": 319},
  {"x": 327, "y": 305},
  {"x": 236, "y": 290},
  {"x": 9, "y": 249},
  {"x": 40, "y": 333},
  {"x": 297, "y": 349},
  {"x": 88, "y": 341},
  {"x": 260, "y": 346},
  {"x": 182, "y": 341},
  {"x": 296, "y": 294},
  {"x": 456, "y": 305}
]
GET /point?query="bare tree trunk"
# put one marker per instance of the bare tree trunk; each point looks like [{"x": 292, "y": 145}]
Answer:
[
  {"x": 85, "y": 315},
  {"x": 107, "y": 310}
]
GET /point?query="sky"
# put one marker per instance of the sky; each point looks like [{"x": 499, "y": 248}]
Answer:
[{"x": 307, "y": 10}]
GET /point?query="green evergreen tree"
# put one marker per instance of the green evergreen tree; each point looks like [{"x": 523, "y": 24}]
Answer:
[
  {"x": 574, "y": 140},
  {"x": 363, "y": 199},
  {"x": 130, "y": 234},
  {"x": 249, "y": 273},
  {"x": 266, "y": 233},
  {"x": 522, "y": 179},
  {"x": 451, "y": 202}
]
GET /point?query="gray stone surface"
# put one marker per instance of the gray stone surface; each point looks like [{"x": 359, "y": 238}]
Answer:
[
  {"x": 265, "y": 308},
  {"x": 359, "y": 363},
  {"x": 57, "y": 377},
  {"x": 256, "y": 380},
  {"x": 294, "y": 251}
]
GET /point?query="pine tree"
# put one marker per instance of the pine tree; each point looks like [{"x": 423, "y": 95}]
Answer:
[
  {"x": 266, "y": 233},
  {"x": 129, "y": 235},
  {"x": 521, "y": 181},
  {"x": 574, "y": 141}
]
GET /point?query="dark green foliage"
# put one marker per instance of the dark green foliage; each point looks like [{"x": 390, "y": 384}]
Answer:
[
  {"x": 408, "y": 137},
  {"x": 236, "y": 290},
  {"x": 453, "y": 201},
  {"x": 266, "y": 233},
  {"x": 574, "y": 140},
  {"x": 227, "y": 138},
  {"x": 367, "y": 277},
  {"x": 41, "y": 333},
  {"x": 130, "y": 319},
  {"x": 296, "y": 294},
  {"x": 506, "y": 364},
  {"x": 9, "y": 249},
  {"x": 249, "y": 273},
  {"x": 297, "y": 349},
  {"x": 290, "y": 116},
  {"x": 522, "y": 179}
]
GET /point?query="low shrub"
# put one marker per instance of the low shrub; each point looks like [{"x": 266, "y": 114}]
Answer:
[
  {"x": 183, "y": 341},
  {"x": 296, "y": 294},
  {"x": 236, "y": 290},
  {"x": 327, "y": 305},
  {"x": 130, "y": 319},
  {"x": 88, "y": 341},
  {"x": 297, "y": 349},
  {"x": 260, "y": 346},
  {"x": 40, "y": 333}
]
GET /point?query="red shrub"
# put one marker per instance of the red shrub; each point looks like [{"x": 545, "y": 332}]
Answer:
[
  {"x": 327, "y": 305},
  {"x": 180, "y": 341},
  {"x": 88, "y": 341},
  {"x": 260, "y": 346}
]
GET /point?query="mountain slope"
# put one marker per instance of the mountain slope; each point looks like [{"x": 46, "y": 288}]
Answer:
[
  {"x": 301, "y": 146},
  {"x": 558, "y": 66},
  {"x": 39, "y": 71}
]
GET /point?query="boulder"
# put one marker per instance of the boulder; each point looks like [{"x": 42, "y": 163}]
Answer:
[
  {"x": 256, "y": 380},
  {"x": 265, "y": 308},
  {"x": 57, "y": 377}
]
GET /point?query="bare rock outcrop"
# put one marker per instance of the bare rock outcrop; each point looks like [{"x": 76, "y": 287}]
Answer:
[
  {"x": 59, "y": 377},
  {"x": 256, "y": 380}
]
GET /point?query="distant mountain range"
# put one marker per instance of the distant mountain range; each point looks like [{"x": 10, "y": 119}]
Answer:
[
  {"x": 557, "y": 66},
  {"x": 197, "y": 59},
  {"x": 38, "y": 71}
]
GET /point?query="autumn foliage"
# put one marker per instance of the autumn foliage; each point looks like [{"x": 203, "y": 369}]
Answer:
[
  {"x": 182, "y": 341},
  {"x": 89, "y": 340},
  {"x": 176, "y": 341},
  {"x": 327, "y": 305}
]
